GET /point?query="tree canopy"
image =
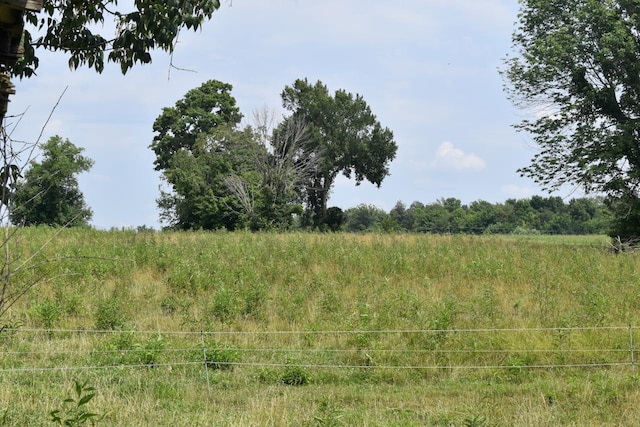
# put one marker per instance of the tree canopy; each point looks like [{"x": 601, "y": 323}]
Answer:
[
  {"x": 92, "y": 31},
  {"x": 577, "y": 69},
  {"x": 198, "y": 196},
  {"x": 49, "y": 193},
  {"x": 346, "y": 136},
  {"x": 197, "y": 146},
  {"x": 198, "y": 113},
  {"x": 537, "y": 215}
]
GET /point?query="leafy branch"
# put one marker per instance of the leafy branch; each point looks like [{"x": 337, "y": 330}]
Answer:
[{"x": 74, "y": 411}]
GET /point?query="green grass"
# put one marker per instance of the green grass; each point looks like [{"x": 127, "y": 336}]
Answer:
[{"x": 323, "y": 329}]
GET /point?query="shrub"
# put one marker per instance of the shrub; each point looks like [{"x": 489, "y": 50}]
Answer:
[
  {"x": 224, "y": 304},
  {"x": 221, "y": 358},
  {"x": 254, "y": 298},
  {"x": 46, "y": 314},
  {"x": 110, "y": 315},
  {"x": 295, "y": 375}
]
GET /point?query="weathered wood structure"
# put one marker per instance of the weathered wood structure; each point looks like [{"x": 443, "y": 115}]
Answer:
[{"x": 11, "y": 49}]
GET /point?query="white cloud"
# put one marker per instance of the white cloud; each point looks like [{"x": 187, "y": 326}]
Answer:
[{"x": 449, "y": 157}]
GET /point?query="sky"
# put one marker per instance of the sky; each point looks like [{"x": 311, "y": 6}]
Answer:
[{"x": 427, "y": 68}]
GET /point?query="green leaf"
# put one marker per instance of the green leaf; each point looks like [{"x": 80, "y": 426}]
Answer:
[{"x": 85, "y": 399}]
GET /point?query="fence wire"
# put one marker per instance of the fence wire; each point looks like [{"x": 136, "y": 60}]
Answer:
[{"x": 41, "y": 350}]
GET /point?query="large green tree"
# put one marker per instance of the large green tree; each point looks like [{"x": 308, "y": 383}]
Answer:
[
  {"x": 346, "y": 136},
  {"x": 199, "y": 197},
  {"x": 84, "y": 30},
  {"x": 49, "y": 193},
  {"x": 577, "y": 68},
  {"x": 198, "y": 145}
]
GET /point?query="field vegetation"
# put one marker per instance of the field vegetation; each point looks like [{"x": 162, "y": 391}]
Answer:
[{"x": 309, "y": 329}]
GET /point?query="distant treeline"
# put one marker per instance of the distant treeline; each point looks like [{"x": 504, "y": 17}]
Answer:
[{"x": 544, "y": 215}]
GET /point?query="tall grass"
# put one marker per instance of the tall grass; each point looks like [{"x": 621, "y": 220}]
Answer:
[{"x": 270, "y": 307}]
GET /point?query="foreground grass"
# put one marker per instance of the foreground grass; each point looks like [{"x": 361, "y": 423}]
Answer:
[{"x": 269, "y": 302}]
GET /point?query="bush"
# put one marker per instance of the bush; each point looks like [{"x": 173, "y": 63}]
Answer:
[
  {"x": 295, "y": 375},
  {"x": 46, "y": 314},
  {"x": 224, "y": 305},
  {"x": 221, "y": 358},
  {"x": 110, "y": 315}
]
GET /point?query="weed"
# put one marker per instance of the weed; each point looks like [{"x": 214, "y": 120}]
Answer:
[
  {"x": 294, "y": 374},
  {"x": 328, "y": 415},
  {"x": 268, "y": 376},
  {"x": 361, "y": 321},
  {"x": 254, "y": 299},
  {"x": 115, "y": 350},
  {"x": 596, "y": 304},
  {"x": 73, "y": 411},
  {"x": 184, "y": 277},
  {"x": 475, "y": 421},
  {"x": 70, "y": 302},
  {"x": 46, "y": 314},
  {"x": 517, "y": 368},
  {"x": 442, "y": 320},
  {"x": 562, "y": 341},
  {"x": 169, "y": 305},
  {"x": 293, "y": 305},
  {"x": 110, "y": 315},
  {"x": 486, "y": 305},
  {"x": 606, "y": 390},
  {"x": 224, "y": 304},
  {"x": 402, "y": 305},
  {"x": 330, "y": 302},
  {"x": 8, "y": 329},
  {"x": 148, "y": 352},
  {"x": 444, "y": 419},
  {"x": 221, "y": 358},
  {"x": 545, "y": 300},
  {"x": 122, "y": 349}
]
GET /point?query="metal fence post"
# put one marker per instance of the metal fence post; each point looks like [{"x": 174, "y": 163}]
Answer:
[
  {"x": 206, "y": 366},
  {"x": 633, "y": 365}
]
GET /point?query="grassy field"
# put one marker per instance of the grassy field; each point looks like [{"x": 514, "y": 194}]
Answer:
[{"x": 322, "y": 330}]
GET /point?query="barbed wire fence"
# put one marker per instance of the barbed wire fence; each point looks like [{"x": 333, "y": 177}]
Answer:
[{"x": 420, "y": 350}]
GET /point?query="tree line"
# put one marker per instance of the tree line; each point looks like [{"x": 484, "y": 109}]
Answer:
[
  {"x": 48, "y": 194},
  {"x": 543, "y": 215},
  {"x": 277, "y": 172}
]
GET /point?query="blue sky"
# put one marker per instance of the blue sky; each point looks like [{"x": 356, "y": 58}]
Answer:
[{"x": 427, "y": 68}]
